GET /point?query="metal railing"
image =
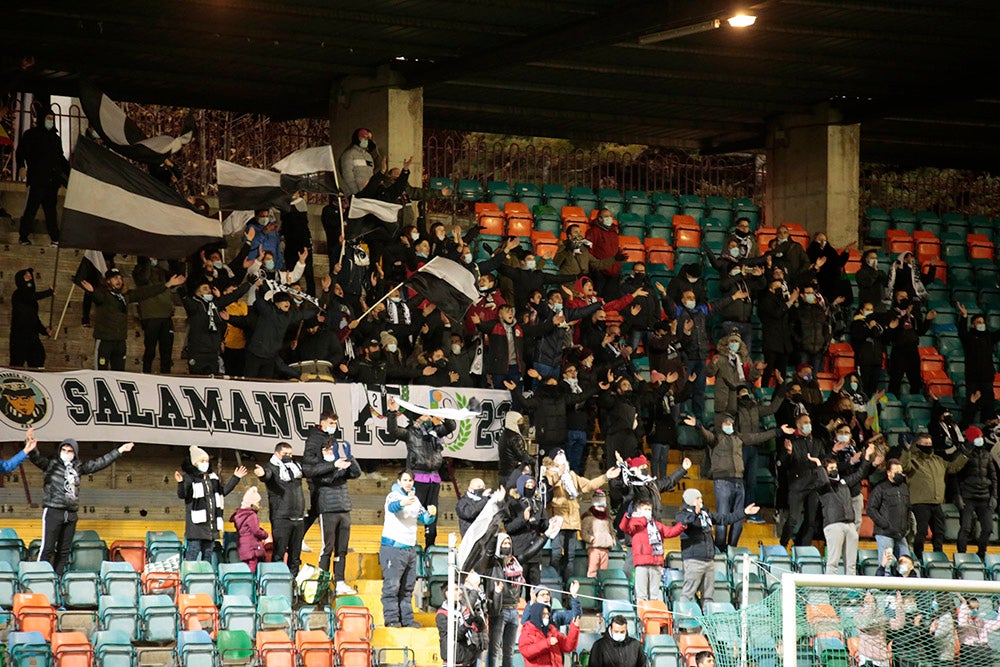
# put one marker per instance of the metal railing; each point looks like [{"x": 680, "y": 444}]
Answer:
[{"x": 937, "y": 190}]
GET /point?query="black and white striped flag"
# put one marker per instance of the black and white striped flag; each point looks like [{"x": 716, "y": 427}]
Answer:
[
  {"x": 248, "y": 189},
  {"x": 312, "y": 169},
  {"x": 121, "y": 134},
  {"x": 448, "y": 285},
  {"x": 114, "y": 207}
]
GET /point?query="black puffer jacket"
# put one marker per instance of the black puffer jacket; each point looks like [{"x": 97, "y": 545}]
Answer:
[
  {"x": 698, "y": 540},
  {"x": 330, "y": 484},
  {"x": 868, "y": 340},
  {"x": 979, "y": 347},
  {"x": 285, "y": 499},
  {"x": 609, "y": 653},
  {"x": 889, "y": 509},
  {"x": 812, "y": 327},
  {"x": 513, "y": 453},
  {"x": 206, "y": 327},
  {"x": 55, "y": 493},
  {"x": 424, "y": 449},
  {"x": 977, "y": 479},
  {"x": 468, "y": 508},
  {"x": 835, "y": 494}
]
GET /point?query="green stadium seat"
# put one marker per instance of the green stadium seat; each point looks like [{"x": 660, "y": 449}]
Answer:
[
  {"x": 38, "y": 577},
  {"x": 499, "y": 192},
  {"x": 274, "y": 579},
  {"x": 808, "y": 560},
  {"x": 528, "y": 194},
  {"x": 555, "y": 195},
  {"x": 583, "y": 197},
  {"x": 439, "y": 183},
  {"x": 969, "y": 566},
  {"x": 8, "y": 585},
  {"x": 868, "y": 562},
  {"x": 80, "y": 590},
  {"x": 162, "y": 544},
  {"x": 687, "y": 616},
  {"x": 234, "y": 647},
  {"x": 199, "y": 577},
  {"x": 274, "y": 612},
  {"x": 117, "y": 612},
  {"x": 665, "y": 204},
  {"x": 11, "y": 547},
  {"x": 470, "y": 190},
  {"x": 937, "y": 565},
  {"x": 719, "y": 208},
  {"x": 588, "y": 587},
  {"x": 236, "y": 579},
  {"x": 692, "y": 205},
  {"x": 638, "y": 202}
]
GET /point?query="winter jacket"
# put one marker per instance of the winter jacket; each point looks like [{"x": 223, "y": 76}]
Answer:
[
  {"x": 739, "y": 310},
  {"x": 868, "y": 341},
  {"x": 468, "y": 633},
  {"x": 906, "y": 335},
  {"x": 204, "y": 497},
  {"x": 696, "y": 344},
  {"x": 206, "y": 327},
  {"x": 597, "y": 531},
  {"x": 285, "y": 499},
  {"x": 57, "y": 494},
  {"x": 330, "y": 485},
  {"x": 111, "y": 310},
  {"x": 356, "y": 168},
  {"x": 249, "y": 535},
  {"x": 775, "y": 323},
  {"x": 24, "y": 321},
  {"x": 801, "y": 471},
  {"x": 871, "y": 286},
  {"x": 550, "y": 406},
  {"x": 553, "y": 341},
  {"x": 812, "y": 327},
  {"x": 534, "y": 645},
  {"x": 835, "y": 494},
  {"x": 41, "y": 151},
  {"x": 399, "y": 528},
  {"x": 575, "y": 259},
  {"x": 368, "y": 371},
  {"x": 828, "y": 274},
  {"x": 698, "y": 538},
  {"x": 622, "y": 430},
  {"x": 979, "y": 347},
  {"x": 727, "y": 450},
  {"x": 642, "y": 550},
  {"x": 680, "y": 283},
  {"x": 749, "y": 412},
  {"x": 513, "y": 453},
  {"x": 468, "y": 508},
  {"x": 646, "y": 492},
  {"x": 562, "y": 504},
  {"x": 160, "y": 304},
  {"x": 977, "y": 480},
  {"x": 527, "y": 281},
  {"x": 606, "y": 652},
  {"x": 605, "y": 245},
  {"x": 497, "y": 357},
  {"x": 790, "y": 256},
  {"x": 925, "y": 474},
  {"x": 272, "y": 323},
  {"x": 424, "y": 448},
  {"x": 13, "y": 463},
  {"x": 889, "y": 509},
  {"x": 727, "y": 378}
]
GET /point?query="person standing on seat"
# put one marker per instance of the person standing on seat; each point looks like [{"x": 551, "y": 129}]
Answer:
[
  {"x": 979, "y": 345},
  {"x": 908, "y": 325},
  {"x": 25, "y": 326},
  {"x": 61, "y": 494},
  {"x": 838, "y": 510},
  {"x": 204, "y": 495},
  {"x": 977, "y": 483},
  {"x": 889, "y": 509},
  {"x": 925, "y": 471},
  {"x": 803, "y": 501},
  {"x": 285, "y": 504},
  {"x": 397, "y": 554}
]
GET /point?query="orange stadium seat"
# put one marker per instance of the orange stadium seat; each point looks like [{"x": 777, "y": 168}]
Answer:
[
  {"x": 516, "y": 209},
  {"x": 656, "y": 618},
  {"x": 34, "y": 613},
  {"x": 686, "y": 237},
  {"x": 899, "y": 241},
  {"x": 853, "y": 261},
  {"x": 980, "y": 246},
  {"x": 764, "y": 236},
  {"x": 573, "y": 214},
  {"x": 315, "y": 648},
  {"x": 198, "y": 612},
  {"x": 165, "y": 583},
  {"x": 660, "y": 254},
  {"x": 680, "y": 220},
  {"x": 691, "y": 645},
  {"x": 520, "y": 227},
  {"x": 275, "y": 649},
  {"x": 494, "y": 225},
  {"x": 928, "y": 246},
  {"x": 72, "y": 649},
  {"x": 545, "y": 244},
  {"x": 633, "y": 248},
  {"x": 132, "y": 552},
  {"x": 486, "y": 207}
]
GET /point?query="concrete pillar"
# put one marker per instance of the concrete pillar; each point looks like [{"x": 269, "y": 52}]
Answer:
[
  {"x": 395, "y": 116},
  {"x": 813, "y": 172}
]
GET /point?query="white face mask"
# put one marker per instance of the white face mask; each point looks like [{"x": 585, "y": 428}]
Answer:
[
  {"x": 619, "y": 636},
  {"x": 203, "y": 466},
  {"x": 873, "y": 262},
  {"x": 467, "y": 258},
  {"x": 866, "y": 313},
  {"x": 363, "y": 143},
  {"x": 810, "y": 298},
  {"x": 392, "y": 347},
  {"x": 690, "y": 305},
  {"x": 980, "y": 327},
  {"x": 66, "y": 458},
  {"x": 806, "y": 429},
  {"x": 734, "y": 251},
  {"x": 415, "y": 236},
  {"x": 329, "y": 457},
  {"x": 903, "y": 568},
  {"x": 978, "y": 442},
  {"x": 456, "y": 348},
  {"x": 530, "y": 265},
  {"x": 727, "y": 429},
  {"x": 606, "y": 221},
  {"x": 843, "y": 437}
]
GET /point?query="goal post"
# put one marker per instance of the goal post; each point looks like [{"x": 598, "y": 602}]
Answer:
[{"x": 799, "y": 590}]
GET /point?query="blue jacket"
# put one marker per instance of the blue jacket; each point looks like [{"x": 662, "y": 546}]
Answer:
[
  {"x": 270, "y": 242},
  {"x": 12, "y": 464}
]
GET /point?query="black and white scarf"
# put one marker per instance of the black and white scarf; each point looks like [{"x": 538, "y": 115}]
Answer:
[
  {"x": 275, "y": 286},
  {"x": 286, "y": 471},
  {"x": 203, "y": 492},
  {"x": 398, "y": 312}
]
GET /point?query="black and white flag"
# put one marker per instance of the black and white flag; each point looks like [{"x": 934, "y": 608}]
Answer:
[
  {"x": 248, "y": 189},
  {"x": 121, "y": 134},
  {"x": 273, "y": 287},
  {"x": 383, "y": 210},
  {"x": 310, "y": 169},
  {"x": 447, "y": 285},
  {"x": 114, "y": 207}
]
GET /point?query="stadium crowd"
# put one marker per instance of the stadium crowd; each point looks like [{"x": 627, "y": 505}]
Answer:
[{"x": 565, "y": 344}]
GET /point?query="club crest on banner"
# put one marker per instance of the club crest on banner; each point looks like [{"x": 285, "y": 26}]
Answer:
[{"x": 23, "y": 402}]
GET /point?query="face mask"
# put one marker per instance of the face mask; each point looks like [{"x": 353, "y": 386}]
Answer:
[
  {"x": 854, "y": 386},
  {"x": 727, "y": 429},
  {"x": 606, "y": 221},
  {"x": 557, "y": 307},
  {"x": 978, "y": 442},
  {"x": 806, "y": 429},
  {"x": 216, "y": 265},
  {"x": 208, "y": 297},
  {"x": 203, "y": 466},
  {"x": 440, "y": 236},
  {"x": 153, "y": 262},
  {"x": 689, "y": 305},
  {"x": 807, "y": 377},
  {"x": 866, "y": 313},
  {"x": 263, "y": 220},
  {"x": 843, "y": 437},
  {"x": 467, "y": 258},
  {"x": 392, "y": 347},
  {"x": 734, "y": 347},
  {"x": 286, "y": 459},
  {"x": 619, "y": 636},
  {"x": 330, "y": 430},
  {"x": 269, "y": 265},
  {"x": 600, "y": 507},
  {"x": 505, "y": 551},
  {"x": 49, "y": 124},
  {"x": 485, "y": 289},
  {"x": 692, "y": 279},
  {"x": 395, "y": 299},
  {"x": 734, "y": 251},
  {"x": 810, "y": 298},
  {"x": 422, "y": 255},
  {"x": 363, "y": 143},
  {"x": 545, "y": 621},
  {"x": 529, "y": 491},
  {"x": 329, "y": 457},
  {"x": 66, "y": 458},
  {"x": 560, "y": 460},
  {"x": 980, "y": 327},
  {"x": 642, "y": 514},
  {"x": 456, "y": 348},
  {"x": 530, "y": 265},
  {"x": 415, "y": 235},
  {"x": 746, "y": 399}
]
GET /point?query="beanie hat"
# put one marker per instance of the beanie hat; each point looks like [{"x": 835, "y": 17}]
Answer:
[
  {"x": 972, "y": 433},
  {"x": 798, "y": 369},
  {"x": 197, "y": 454},
  {"x": 387, "y": 339},
  {"x": 280, "y": 297},
  {"x": 251, "y": 497},
  {"x": 690, "y": 496},
  {"x": 72, "y": 443},
  {"x": 637, "y": 461}
]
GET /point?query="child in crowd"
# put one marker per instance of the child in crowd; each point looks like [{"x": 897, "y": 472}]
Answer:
[
  {"x": 597, "y": 533},
  {"x": 647, "y": 548},
  {"x": 249, "y": 535}
]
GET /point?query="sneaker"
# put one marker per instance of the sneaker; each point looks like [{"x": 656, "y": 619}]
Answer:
[
  {"x": 306, "y": 548},
  {"x": 25, "y": 242},
  {"x": 393, "y": 625},
  {"x": 755, "y": 518},
  {"x": 343, "y": 589},
  {"x": 414, "y": 624}
]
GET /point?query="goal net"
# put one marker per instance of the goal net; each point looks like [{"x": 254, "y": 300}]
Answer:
[{"x": 847, "y": 621}]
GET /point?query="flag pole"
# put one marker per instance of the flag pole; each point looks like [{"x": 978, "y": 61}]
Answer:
[
  {"x": 72, "y": 286},
  {"x": 55, "y": 275},
  {"x": 340, "y": 207},
  {"x": 364, "y": 314}
]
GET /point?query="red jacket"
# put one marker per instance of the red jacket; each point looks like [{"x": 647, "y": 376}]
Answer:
[
  {"x": 642, "y": 551},
  {"x": 249, "y": 535},
  {"x": 605, "y": 245},
  {"x": 618, "y": 305},
  {"x": 538, "y": 652},
  {"x": 486, "y": 314}
]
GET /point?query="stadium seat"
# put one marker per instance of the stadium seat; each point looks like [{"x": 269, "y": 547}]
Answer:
[
  {"x": 574, "y": 215},
  {"x": 611, "y": 200},
  {"x": 493, "y": 225},
  {"x": 132, "y": 552},
  {"x": 274, "y": 579},
  {"x": 638, "y": 203},
  {"x": 28, "y": 648},
  {"x": 118, "y": 578},
  {"x": 157, "y": 583},
  {"x": 157, "y": 618},
  {"x": 520, "y": 227},
  {"x": 38, "y": 577},
  {"x": 969, "y": 566},
  {"x": 195, "y": 648},
  {"x": 588, "y": 587},
  {"x": 199, "y": 577},
  {"x": 353, "y": 624},
  {"x": 274, "y": 612},
  {"x": 528, "y": 194},
  {"x": 275, "y": 649},
  {"x": 936, "y": 565},
  {"x": 662, "y": 651},
  {"x": 117, "y": 613},
  {"x": 162, "y": 544},
  {"x": 655, "y": 617},
  {"x": 87, "y": 552},
  {"x": 236, "y": 579},
  {"x": 197, "y": 611},
  {"x": 113, "y": 648},
  {"x": 469, "y": 190},
  {"x": 499, "y": 193},
  {"x": 899, "y": 241},
  {"x": 34, "y": 613},
  {"x": 79, "y": 590},
  {"x": 234, "y": 647},
  {"x": 315, "y": 649},
  {"x": 993, "y": 565},
  {"x": 11, "y": 548},
  {"x": 691, "y": 644},
  {"x": 8, "y": 585},
  {"x": 687, "y": 616},
  {"x": 555, "y": 195},
  {"x": 438, "y": 184},
  {"x": 583, "y": 198}
]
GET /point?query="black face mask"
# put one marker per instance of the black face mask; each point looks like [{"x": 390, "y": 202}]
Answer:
[
  {"x": 846, "y": 415},
  {"x": 529, "y": 491},
  {"x": 746, "y": 399},
  {"x": 286, "y": 459},
  {"x": 833, "y": 474},
  {"x": 926, "y": 449},
  {"x": 898, "y": 479},
  {"x": 795, "y": 397},
  {"x": 505, "y": 551}
]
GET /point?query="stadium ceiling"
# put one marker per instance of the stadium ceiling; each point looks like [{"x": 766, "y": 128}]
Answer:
[{"x": 915, "y": 73}]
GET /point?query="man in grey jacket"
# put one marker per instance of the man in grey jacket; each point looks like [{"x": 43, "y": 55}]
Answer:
[{"x": 357, "y": 163}]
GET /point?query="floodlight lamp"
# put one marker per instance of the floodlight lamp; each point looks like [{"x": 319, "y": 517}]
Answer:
[{"x": 741, "y": 20}]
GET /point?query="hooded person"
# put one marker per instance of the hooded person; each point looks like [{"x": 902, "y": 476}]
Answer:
[
  {"x": 535, "y": 643},
  {"x": 25, "y": 326},
  {"x": 905, "y": 276},
  {"x": 61, "y": 494},
  {"x": 40, "y": 151},
  {"x": 732, "y": 368},
  {"x": 357, "y": 162},
  {"x": 597, "y": 533},
  {"x": 513, "y": 452},
  {"x": 977, "y": 483},
  {"x": 526, "y": 522},
  {"x": 249, "y": 535},
  {"x": 204, "y": 495}
]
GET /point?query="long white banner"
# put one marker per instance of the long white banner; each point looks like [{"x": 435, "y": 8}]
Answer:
[{"x": 114, "y": 407}]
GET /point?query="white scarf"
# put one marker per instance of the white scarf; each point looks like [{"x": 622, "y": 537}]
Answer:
[
  {"x": 286, "y": 471},
  {"x": 443, "y": 413}
]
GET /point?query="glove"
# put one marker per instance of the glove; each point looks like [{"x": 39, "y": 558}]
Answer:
[{"x": 620, "y": 257}]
